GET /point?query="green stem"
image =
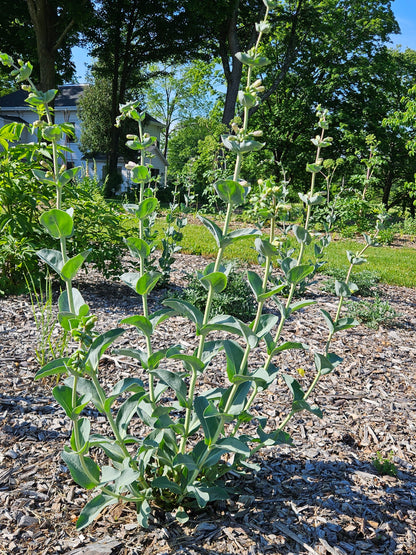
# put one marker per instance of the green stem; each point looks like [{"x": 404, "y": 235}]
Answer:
[{"x": 194, "y": 377}]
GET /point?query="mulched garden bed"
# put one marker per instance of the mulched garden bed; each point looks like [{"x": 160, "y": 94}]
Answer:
[{"x": 323, "y": 496}]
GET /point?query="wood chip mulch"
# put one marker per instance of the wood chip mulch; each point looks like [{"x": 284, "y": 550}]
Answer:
[{"x": 323, "y": 496}]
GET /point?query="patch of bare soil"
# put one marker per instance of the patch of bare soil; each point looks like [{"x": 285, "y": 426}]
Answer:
[{"x": 323, "y": 496}]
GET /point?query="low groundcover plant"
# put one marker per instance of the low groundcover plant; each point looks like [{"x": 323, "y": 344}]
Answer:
[{"x": 194, "y": 436}]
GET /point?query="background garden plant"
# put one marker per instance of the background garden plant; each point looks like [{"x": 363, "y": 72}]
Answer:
[{"x": 180, "y": 464}]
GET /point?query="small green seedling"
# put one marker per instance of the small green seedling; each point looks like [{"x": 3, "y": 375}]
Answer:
[{"x": 385, "y": 465}]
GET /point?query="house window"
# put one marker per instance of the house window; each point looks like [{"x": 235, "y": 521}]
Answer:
[{"x": 71, "y": 138}]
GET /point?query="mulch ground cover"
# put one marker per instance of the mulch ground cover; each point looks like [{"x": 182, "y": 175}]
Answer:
[{"x": 323, "y": 496}]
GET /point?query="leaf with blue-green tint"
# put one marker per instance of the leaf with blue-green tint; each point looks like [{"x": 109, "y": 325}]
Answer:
[
  {"x": 137, "y": 354},
  {"x": 342, "y": 289},
  {"x": 190, "y": 362},
  {"x": 67, "y": 175},
  {"x": 110, "y": 448},
  {"x": 125, "y": 385},
  {"x": 63, "y": 395},
  {"x": 299, "y": 273},
  {"x": 58, "y": 223},
  {"x": 313, "y": 168},
  {"x": 99, "y": 345},
  {"x": 87, "y": 390},
  {"x": 302, "y": 235},
  {"x": 346, "y": 323},
  {"x": 325, "y": 364},
  {"x": 139, "y": 174},
  {"x": 230, "y": 324},
  {"x": 263, "y": 377},
  {"x": 71, "y": 266},
  {"x": 175, "y": 382},
  {"x": 53, "y": 368},
  {"x": 209, "y": 418},
  {"x": 239, "y": 399},
  {"x": 264, "y": 247},
  {"x": 231, "y": 192},
  {"x": 162, "y": 482},
  {"x": 41, "y": 176},
  {"x": 290, "y": 345},
  {"x": 143, "y": 513},
  {"x": 143, "y": 324},
  {"x": 256, "y": 283},
  {"x": 293, "y": 307},
  {"x": 80, "y": 307},
  {"x": 256, "y": 60},
  {"x": 108, "y": 474},
  {"x": 354, "y": 259},
  {"x": 185, "y": 460},
  {"x": 146, "y": 207},
  {"x": 142, "y": 284},
  {"x": 127, "y": 476},
  {"x": 328, "y": 320},
  {"x": 181, "y": 516},
  {"x": 271, "y": 293},
  {"x": 213, "y": 229},
  {"x": 205, "y": 494},
  {"x": 137, "y": 247},
  {"x": 53, "y": 258},
  {"x": 52, "y": 133},
  {"x": 186, "y": 309},
  {"x": 93, "y": 508},
  {"x": 88, "y": 478},
  {"x": 237, "y": 234},
  {"x": 301, "y": 404},
  {"x": 211, "y": 349},
  {"x": 294, "y": 387},
  {"x": 157, "y": 356},
  {"x": 266, "y": 323},
  {"x": 233, "y": 445},
  {"x": 234, "y": 354},
  {"x": 210, "y": 457},
  {"x": 126, "y": 412},
  {"x": 217, "y": 281}
]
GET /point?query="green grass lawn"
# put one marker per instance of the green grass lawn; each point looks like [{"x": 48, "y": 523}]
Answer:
[{"x": 396, "y": 266}]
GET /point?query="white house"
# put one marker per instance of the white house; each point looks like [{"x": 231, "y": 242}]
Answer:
[{"x": 14, "y": 108}]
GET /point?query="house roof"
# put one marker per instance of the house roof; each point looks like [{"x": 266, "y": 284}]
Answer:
[
  {"x": 15, "y": 119},
  {"x": 68, "y": 95},
  {"x": 151, "y": 119}
]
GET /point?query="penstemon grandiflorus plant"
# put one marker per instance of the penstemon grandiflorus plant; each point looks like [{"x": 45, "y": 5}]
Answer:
[
  {"x": 181, "y": 462},
  {"x": 144, "y": 245}
]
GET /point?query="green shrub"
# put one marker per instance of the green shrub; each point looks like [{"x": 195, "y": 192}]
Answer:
[
  {"x": 365, "y": 280},
  {"x": 16, "y": 256},
  {"x": 237, "y": 299},
  {"x": 353, "y": 214},
  {"x": 372, "y": 313},
  {"x": 99, "y": 224}
]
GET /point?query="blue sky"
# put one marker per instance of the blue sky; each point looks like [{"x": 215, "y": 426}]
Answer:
[{"x": 404, "y": 10}]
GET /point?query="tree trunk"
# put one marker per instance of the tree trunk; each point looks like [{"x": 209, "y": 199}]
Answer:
[
  {"x": 229, "y": 46},
  {"x": 388, "y": 182},
  {"x": 119, "y": 86},
  {"x": 44, "y": 20}
]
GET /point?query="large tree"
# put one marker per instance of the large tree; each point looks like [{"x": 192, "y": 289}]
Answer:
[
  {"x": 44, "y": 31},
  {"x": 335, "y": 54},
  {"x": 128, "y": 35},
  {"x": 179, "y": 93}
]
